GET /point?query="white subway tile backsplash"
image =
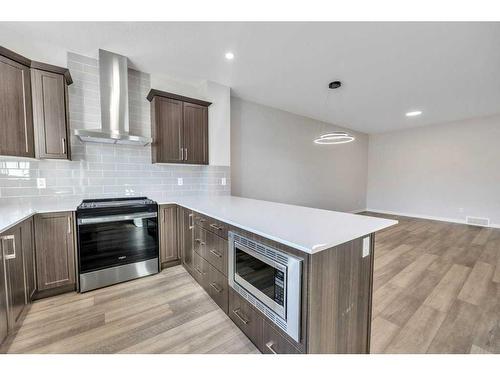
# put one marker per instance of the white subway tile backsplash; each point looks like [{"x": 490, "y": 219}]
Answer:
[{"x": 99, "y": 170}]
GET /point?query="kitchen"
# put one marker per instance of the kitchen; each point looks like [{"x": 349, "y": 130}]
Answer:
[
  {"x": 147, "y": 209},
  {"x": 92, "y": 245}
]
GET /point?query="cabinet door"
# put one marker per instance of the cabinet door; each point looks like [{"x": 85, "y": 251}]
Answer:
[
  {"x": 16, "y": 119},
  {"x": 50, "y": 115},
  {"x": 54, "y": 248},
  {"x": 166, "y": 118},
  {"x": 4, "y": 326},
  {"x": 186, "y": 237},
  {"x": 14, "y": 274},
  {"x": 168, "y": 234},
  {"x": 28, "y": 257},
  {"x": 195, "y": 134}
]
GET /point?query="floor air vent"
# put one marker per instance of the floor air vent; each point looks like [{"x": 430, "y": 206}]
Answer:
[{"x": 480, "y": 221}]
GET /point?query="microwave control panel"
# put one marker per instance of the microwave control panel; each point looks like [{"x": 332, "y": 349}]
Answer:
[{"x": 279, "y": 287}]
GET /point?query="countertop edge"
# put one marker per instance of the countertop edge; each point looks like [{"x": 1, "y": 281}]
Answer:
[{"x": 283, "y": 241}]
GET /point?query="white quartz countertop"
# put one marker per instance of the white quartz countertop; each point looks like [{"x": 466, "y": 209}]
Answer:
[{"x": 307, "y": 229}]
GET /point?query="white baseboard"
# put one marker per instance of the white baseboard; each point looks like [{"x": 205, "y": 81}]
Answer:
[
  {"x": 428, "y": 217},
  {"x": 356, "y": 211}
]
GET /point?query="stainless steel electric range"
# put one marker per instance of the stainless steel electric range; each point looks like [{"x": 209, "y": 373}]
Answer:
[{"x": 117, "y": 241}]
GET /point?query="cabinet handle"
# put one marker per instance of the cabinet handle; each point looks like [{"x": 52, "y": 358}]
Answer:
[
  {"x": 215, "y": 226},
  {"x": 202, "y": 220},
  {"x": 240, "y": 317},
  {"x": 198, "y": 270},
  {"x": 186, "y": 154},
  {"x": 269, "y": 345},
  {"x": 216, "y": 287},
  {"x": 191, "y": 221},
  {"x": 13, "y": 239},
  {"x": 63, "y": 140},
  {"x": 69, "y": 224},
  {"x": 181, "y": 153},
  {"x": 200, "y": 241},
  {"x": 218, "y": 255}
]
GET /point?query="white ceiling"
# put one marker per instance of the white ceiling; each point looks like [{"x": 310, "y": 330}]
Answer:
[{"x": 450, "y": 71}]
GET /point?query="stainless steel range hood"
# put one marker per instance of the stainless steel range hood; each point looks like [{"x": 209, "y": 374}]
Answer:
[{"x": 113, "y": 81}]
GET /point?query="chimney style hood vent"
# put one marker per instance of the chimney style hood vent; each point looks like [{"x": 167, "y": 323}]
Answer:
[{"x": 113, "y": 82}]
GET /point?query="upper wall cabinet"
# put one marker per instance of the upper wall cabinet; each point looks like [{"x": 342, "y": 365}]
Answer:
[
  {"x": 50, "y": 114},
  {"x": 16, "y": 130},
  {"x": 179, "y": 128},
  {"x": 33, "y": 107}
]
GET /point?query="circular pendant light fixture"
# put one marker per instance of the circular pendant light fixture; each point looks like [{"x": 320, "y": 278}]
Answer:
[{"x": 334, "y": 138}]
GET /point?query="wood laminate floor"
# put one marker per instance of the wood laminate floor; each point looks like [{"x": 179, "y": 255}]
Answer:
[{"x": 436, "y": 290}]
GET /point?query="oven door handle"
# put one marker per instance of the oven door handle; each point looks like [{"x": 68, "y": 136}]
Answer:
[{"x": 112, "y": 218}]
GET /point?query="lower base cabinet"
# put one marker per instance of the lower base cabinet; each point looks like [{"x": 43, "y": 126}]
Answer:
[
  {"x": 246, "y": 318},
  {"x": 17, "y": 275},
  {"x": 274, "y": 342},
  {"x": 55, "y": 250}
]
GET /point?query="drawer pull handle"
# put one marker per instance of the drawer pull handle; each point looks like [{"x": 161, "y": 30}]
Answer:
[
  {"x": 198, "y": 270},
  {"x": 202, "y": 220},
  {"x": 240, "y": 317},
  {"x": 218, "y": 255},
  {"x": 269, "y": 345},
  {"x": 215, "y": 226},
  {"x": 217, "y": 289}
]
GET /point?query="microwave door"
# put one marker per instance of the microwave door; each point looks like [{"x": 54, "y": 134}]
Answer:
[{"x": 262, "y": 277}]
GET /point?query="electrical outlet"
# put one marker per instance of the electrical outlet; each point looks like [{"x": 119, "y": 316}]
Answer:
[
  {"x": 223, "y": 181},
  {"x": 41, "y": 183},
  {"x": 366, "y": 246},
  {"x": 180, "y": 181}
]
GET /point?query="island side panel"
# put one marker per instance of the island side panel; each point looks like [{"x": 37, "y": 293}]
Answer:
[{"x": 340, "y": 298}]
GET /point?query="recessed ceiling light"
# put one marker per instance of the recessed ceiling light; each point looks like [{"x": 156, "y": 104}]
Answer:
[
  {"x": 413, "y": 113},
  {"x": 229, "y": 55}
]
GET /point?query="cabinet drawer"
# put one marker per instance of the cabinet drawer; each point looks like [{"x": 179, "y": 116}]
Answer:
[
  {"x": 246, "y": 318},
  {"x": 217, "y": 287},
  {"x": 212, "y": 225},
  {"x": 200, "y": 270},
  {"x": 215, "y": 251},
  {"x": 274, "y": 342},
  {"x": 199, "y": 240}
]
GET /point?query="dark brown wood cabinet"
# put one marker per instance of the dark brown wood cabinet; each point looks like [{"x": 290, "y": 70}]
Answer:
[
  {"x": 195, "y": 133},
  {"x": 179, "y": 128},
  {"x": 273, "y": 342},
  {"x": 166, "y": 131},
  {"x": 33, "y": 108},
  {"x": 169, "y": 249},
  {"x": 185, "y": 222},
  {"x": 55, "y": 251},
  {"x": 246, "y": 318},
  {"x": 50, "y": 115},
  {"x": 28, "y": 246},
  {"x": 14, "y": 274},
  {"x": 16, "y": 119}
]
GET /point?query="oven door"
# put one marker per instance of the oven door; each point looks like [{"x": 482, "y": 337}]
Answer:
[
  {"x": 262, "y": 277},
  {"x": 108, "y": 241}
]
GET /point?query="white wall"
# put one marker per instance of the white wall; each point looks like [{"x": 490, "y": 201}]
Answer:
[
  {"x": 445, "y": 171},
  {"x": 219, "y": 118},
  {"x": 273, "y": 157}
]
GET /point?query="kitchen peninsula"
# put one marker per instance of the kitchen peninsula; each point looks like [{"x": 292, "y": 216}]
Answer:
[{"x": 219, "y": 238}]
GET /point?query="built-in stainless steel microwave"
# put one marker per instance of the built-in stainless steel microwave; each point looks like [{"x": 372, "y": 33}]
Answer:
[{"x": 269, "y": 279}]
